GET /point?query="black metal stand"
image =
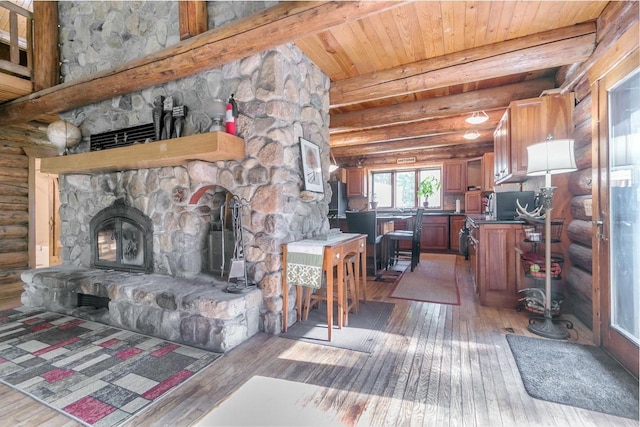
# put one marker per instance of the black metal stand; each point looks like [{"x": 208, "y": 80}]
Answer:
[{"x": 545, "y": 326}]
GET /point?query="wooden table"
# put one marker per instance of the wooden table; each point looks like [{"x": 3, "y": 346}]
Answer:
[{"x": 335, "y": 250}]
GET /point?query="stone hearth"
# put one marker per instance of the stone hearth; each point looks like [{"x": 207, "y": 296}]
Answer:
[
  {"x": 282, "y": 97},
  {"x": 196, "y": 311}
]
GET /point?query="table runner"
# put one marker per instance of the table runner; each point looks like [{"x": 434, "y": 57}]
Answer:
[{"x": 305, "y": 259}]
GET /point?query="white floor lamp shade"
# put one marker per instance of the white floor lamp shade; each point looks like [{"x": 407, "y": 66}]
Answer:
[{"x": 549, "y": 158}]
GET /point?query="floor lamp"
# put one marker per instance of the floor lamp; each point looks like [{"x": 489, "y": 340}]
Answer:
[{"x": 549, "y": 158}]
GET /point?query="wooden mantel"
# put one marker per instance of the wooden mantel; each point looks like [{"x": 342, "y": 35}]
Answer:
[{"x": 209, "y": 147}]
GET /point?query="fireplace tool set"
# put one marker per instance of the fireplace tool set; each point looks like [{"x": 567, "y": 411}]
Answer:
[{"x": 238, "y": 268}]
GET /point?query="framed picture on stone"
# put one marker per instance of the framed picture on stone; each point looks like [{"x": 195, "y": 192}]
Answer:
[{"x": 311, "y": 166}]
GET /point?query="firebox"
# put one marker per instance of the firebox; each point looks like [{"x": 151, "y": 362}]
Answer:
[{"x": 122, "y": 239}]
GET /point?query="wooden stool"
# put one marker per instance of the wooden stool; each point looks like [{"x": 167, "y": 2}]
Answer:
[{"x": 348, "y": 288}]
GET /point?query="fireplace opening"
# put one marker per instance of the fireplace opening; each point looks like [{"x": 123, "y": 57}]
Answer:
[
  {"x": 122, "y": 239},
  {"x": 86, "y": 300}
]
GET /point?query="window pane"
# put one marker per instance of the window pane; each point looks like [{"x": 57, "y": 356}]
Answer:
[
  {"x": 405, "y": 189},
  {"x": 107, "y": 242},
  {"x": 382, "y": 189},
  {"x": 435, "y": 201},
  {"x": 624, "y": 189}
]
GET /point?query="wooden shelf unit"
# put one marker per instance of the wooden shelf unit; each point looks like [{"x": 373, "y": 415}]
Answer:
[{"x": 209, "y": 147}]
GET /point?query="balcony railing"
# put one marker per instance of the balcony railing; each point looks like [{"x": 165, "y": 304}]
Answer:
[{"x": 16, "y": 40}]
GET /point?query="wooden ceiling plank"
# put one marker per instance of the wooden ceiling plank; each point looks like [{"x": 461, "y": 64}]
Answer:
[
  {"x": 448, "y": 26},
  {"x": 506, "y": 17},
  {"x": 278, "y": 25},
  {"x": 428, "y": 17},
  {"x": 520, "y": 20},
  {"x": 491, "y": 33},
  {"x": 483, "y": 12},
  {"x": 380, "y": 50},
  {"x": 484, "y": 99},
  {"x": 421, "y": 67},
  {"x": 548, "y": 55},
  {"x": 470, "y": 24},
  {"x": 409, "y": 25}
]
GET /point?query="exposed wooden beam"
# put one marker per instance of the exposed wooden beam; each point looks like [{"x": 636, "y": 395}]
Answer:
[
  {"x": 424, "y": 128},
  {"x": 24, "y": 135},
  {"x": 276, "y": 26},
  {"x": 410, "y": 145},
  {"x": 544, "y": 50},
  {"x": 193, "y": 18},
  {"x": 484, "y": 99},
  {"x": 46, "y": 55},
  {"x": 423, "y": 157}
]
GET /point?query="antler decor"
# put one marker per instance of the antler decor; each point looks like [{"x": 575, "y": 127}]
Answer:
[{"x": 536, "y": 215}]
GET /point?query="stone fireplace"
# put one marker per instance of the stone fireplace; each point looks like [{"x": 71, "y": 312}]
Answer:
[{"x": 281, "y": 97}]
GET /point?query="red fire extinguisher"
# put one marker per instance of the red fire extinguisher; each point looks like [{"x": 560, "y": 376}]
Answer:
[{"x": 231, "y": 116}]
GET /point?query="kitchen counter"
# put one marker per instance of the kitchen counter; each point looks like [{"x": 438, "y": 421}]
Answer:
[
  {"x": 479, "y": 219},
  {"x": 394, "y": 215}
]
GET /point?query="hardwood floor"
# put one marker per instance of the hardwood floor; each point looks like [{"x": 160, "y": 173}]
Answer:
[{"x": 436, "y": 365}]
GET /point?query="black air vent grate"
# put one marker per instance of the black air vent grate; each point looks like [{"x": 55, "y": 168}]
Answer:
[{"x": 123, "y": 137}]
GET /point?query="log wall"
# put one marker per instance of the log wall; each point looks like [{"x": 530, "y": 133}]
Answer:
[
  {"x": 14, "y": 219},
  {"x": 578, "y": 233}
]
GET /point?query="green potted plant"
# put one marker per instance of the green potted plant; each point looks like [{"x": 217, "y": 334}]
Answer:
[{"x": 427, "y": 187}]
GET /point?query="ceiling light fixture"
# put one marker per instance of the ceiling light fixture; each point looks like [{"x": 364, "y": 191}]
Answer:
[
  {"x": 477, "y": 118},
  {"x": 333, "y": 166},
  {"x": 471, "y": 134}
]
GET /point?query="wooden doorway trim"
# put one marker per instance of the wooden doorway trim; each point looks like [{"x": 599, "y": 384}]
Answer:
[
  {"x": 35, "y": 154},
  {"x": 620, "y": 347}
]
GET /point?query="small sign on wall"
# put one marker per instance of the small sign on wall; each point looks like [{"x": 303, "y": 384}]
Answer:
[{"x": 405, "y": 160}]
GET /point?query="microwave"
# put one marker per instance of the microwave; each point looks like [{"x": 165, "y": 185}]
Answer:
[{"x": 503, "y": 206}]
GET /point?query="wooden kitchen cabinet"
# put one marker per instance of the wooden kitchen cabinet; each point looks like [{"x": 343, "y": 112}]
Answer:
[
  {"x": 356, "y": 182},
  {"x": 456, "y": 223},
  {"x": 454, "y": 176},
  {"x": 473, "y": 202},
  {"x": 488, "y": 179},
  {"x": 527, "y": 122},
  {"x": 435, "y": 233},
  {"x": 502, "y": 148},
  {"x": 496, "y": 264}
]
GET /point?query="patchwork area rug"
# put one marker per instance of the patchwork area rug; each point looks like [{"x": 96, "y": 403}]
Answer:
[
  {"x": 583, "y": 376},
  {"x": 362, "y": 333},
  {"x": 97, "y": 374},
  {"x": 433, "y": 280}
]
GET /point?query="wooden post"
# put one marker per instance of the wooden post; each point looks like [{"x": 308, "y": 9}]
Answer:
[
  {"x": 46, "y": 69},
  {"x": 193, "y": 18}
]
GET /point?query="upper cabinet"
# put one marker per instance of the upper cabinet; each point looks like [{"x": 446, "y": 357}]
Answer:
[
  {"x": 527, "y": 122},
  {"x": 502, "y": 148},
  {"x": 454, "y": 176},
  {"x": 488, "y": 180},
  {"x": 356, "y": 182}
]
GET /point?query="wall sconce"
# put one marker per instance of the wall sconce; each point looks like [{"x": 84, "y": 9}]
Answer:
[
  {"x": 471, "y": 134},
  {"x": 477, "y": 118},
  {"x": 334, "y": 165}
]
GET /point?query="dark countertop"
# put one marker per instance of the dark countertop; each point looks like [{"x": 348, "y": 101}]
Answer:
[
  {"x": 396, "y": 215},
  {"x": 480, "y": 219}
]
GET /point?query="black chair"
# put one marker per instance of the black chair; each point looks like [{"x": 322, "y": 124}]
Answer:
[
  {"x": 367, "y": 223},
  {"x": 395, "y": 251}
]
